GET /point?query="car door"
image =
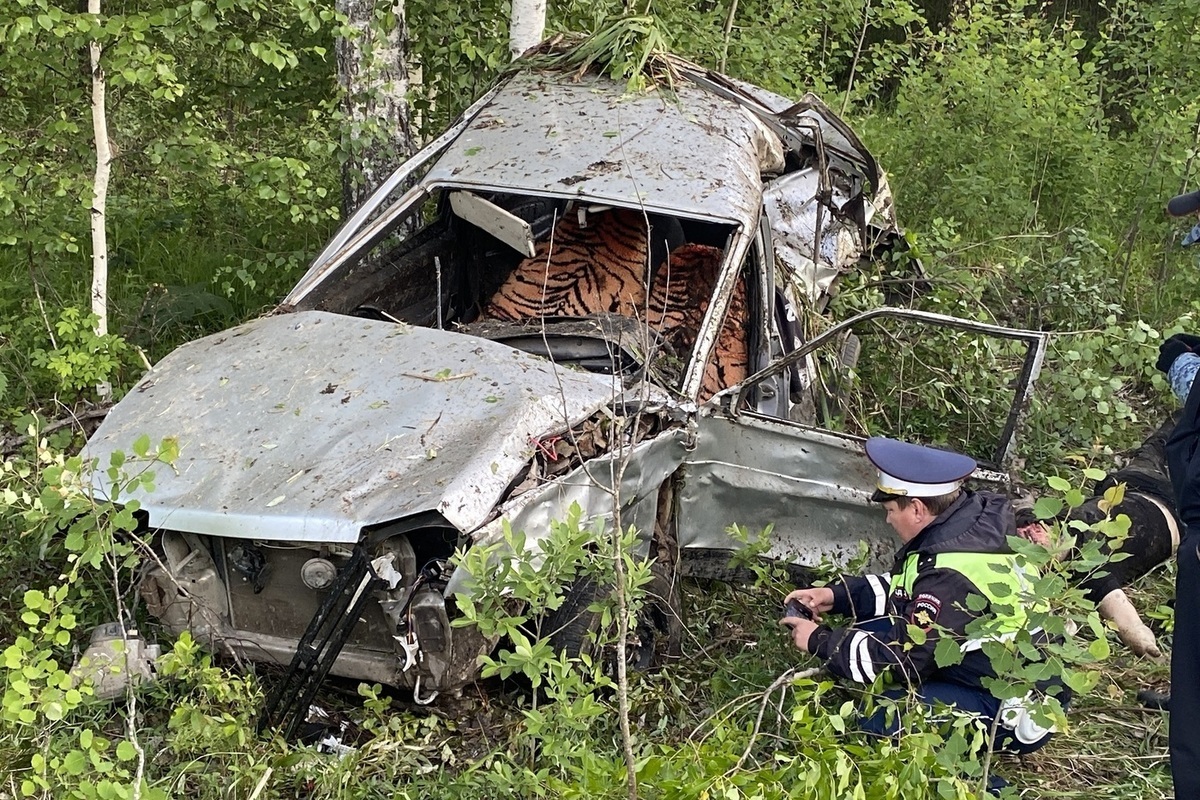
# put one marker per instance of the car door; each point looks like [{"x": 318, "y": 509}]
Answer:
[{"x": 811, "y": 483}]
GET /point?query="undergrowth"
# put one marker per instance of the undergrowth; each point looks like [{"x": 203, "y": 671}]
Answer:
[{"x": 740, "y": 715}]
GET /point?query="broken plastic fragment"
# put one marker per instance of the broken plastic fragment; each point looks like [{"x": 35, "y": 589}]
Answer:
[
  {"x": 332, "y": 744},
  {"x": 410, "y": 649},
  {"x": 385, "y": 567}
]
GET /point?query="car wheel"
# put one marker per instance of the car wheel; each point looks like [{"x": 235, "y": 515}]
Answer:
[
  {"x": 657, "y": 635},
  {"x": 571, "y": 627}
]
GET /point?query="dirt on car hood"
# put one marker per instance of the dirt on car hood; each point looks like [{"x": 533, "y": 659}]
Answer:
[{"x": 310, "y": 426}]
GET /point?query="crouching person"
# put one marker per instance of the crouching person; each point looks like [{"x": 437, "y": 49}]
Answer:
[{"x": 954, "y": 566}]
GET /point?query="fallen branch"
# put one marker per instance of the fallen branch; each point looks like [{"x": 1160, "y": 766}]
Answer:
[
  {"x": 439, "y": 378},
  {"x": 11, "y": 444},
  {"x": 783, "y": 679}
]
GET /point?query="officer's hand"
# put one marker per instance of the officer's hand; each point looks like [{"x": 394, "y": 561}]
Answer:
[
  {"x": 818, "y": 600},
  {"x": 801, "y": 631},
  {"x": 1173, "y": 347}
]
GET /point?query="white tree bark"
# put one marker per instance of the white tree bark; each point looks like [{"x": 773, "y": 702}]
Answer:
[
  {"x": 99, "y": 195},
  {"x": 372, "y": 70},
  {"x": 526, "y": 25}
]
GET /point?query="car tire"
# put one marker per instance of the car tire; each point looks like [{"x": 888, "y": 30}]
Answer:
[
  {"x": 657, "y": 636},
  {"x": 571, "y": 627}
]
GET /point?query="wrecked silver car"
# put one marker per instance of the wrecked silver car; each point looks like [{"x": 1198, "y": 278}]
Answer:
[{"x": 568, "y": 276}]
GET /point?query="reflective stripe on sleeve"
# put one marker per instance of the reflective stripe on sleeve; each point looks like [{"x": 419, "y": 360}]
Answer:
[
  {"x": 881, "y": 592},
  {"x": 868, "y": 666},
  {"x": 862, "y": 669},
  {"x": 852, "y": 646}
]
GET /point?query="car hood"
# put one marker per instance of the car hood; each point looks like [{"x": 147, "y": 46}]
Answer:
[{"x": 310, "y": 426}]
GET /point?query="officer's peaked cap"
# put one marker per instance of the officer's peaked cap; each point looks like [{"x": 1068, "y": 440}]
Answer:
[{"x": 913, "y": 470}]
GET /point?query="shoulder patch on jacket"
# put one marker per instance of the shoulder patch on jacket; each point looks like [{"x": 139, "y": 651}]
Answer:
[{"x": 925, "y": 609}]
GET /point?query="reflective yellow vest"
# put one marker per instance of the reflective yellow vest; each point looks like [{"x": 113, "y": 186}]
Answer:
[{"x": 996, "y": 576}]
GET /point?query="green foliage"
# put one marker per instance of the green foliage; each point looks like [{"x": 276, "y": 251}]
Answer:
[
  {"x": 214, "y": 710},
  {"x": 1000, "y": 85},
  {"x": 1056, "y": 605},
  {"x": 630, "y": 49},
  {"x": 80, "y": 358},
  {"x": 53, "y": 495},
  {"x": 461, "y": 49},
  {"x": 514, "y": 592},
  {"x": 221, "y": 118},
  {"x": 825, "y": 757}
]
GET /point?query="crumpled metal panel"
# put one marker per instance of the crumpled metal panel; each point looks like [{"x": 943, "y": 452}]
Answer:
[
  {"x": 645, "y": 466},
  {"x": 309, "y": 426},
  {"x": 793, "y": 209},
  {"x": 812, "y": 485},
  {"x": 694, "y": 155}
]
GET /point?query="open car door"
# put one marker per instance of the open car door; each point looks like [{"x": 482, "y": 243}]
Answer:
[{"x": 807, "y": 474}]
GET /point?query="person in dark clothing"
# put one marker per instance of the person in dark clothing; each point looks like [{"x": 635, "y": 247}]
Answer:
[
  {"x": 1179, "y": 358},
  {"x": 954, "y": 546},
  {"x": 1186, "y": 205}
]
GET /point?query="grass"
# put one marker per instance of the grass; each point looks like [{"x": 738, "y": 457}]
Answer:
[{"x": 1116, "y": 749}]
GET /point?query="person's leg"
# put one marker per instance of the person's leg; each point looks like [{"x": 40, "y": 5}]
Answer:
[
  {"x": 885, "y": 719},
  {"x": 1184, "y": 733}
]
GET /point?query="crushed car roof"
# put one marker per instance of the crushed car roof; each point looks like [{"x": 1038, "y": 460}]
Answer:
[{"x": 692, "y": 152}]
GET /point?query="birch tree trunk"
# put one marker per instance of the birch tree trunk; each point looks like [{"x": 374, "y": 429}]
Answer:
[
  {"x": 526, "y": 25},
  {"x": 99, "y": 195},
  {"x": 372, "y": 71}
]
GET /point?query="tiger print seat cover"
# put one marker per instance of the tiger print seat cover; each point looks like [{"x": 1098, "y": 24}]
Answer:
[
  {"x": 679, "y": 297},
  {"x": 590, "y": 270},
  {"x": 598, "y": 269}
]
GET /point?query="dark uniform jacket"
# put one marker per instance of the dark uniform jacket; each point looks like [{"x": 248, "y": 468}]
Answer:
[{"x": 976, "y": 523}]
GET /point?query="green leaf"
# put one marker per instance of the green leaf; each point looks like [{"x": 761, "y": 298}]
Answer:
[
  {"x": 1058, "y": 484},
  {"x": 1048, "y": 507},
  {"x": 947, "y": 652},
  {"x": 168, "y": 450},
  {"x": 75, "y": 762},
  {"x": 13, "y": 656},
  {"x": 976, "y": 602},
  {"x": 141, "y": 446},
  {"x": 1080, "y": 682}
]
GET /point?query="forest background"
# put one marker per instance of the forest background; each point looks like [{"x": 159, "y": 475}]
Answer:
[{"x": 1030, "y": 146}]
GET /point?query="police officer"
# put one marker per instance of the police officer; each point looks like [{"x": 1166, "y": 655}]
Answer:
[
  {"x": 1179, "y": 358},
  {"x": 954, "y": 546}
]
